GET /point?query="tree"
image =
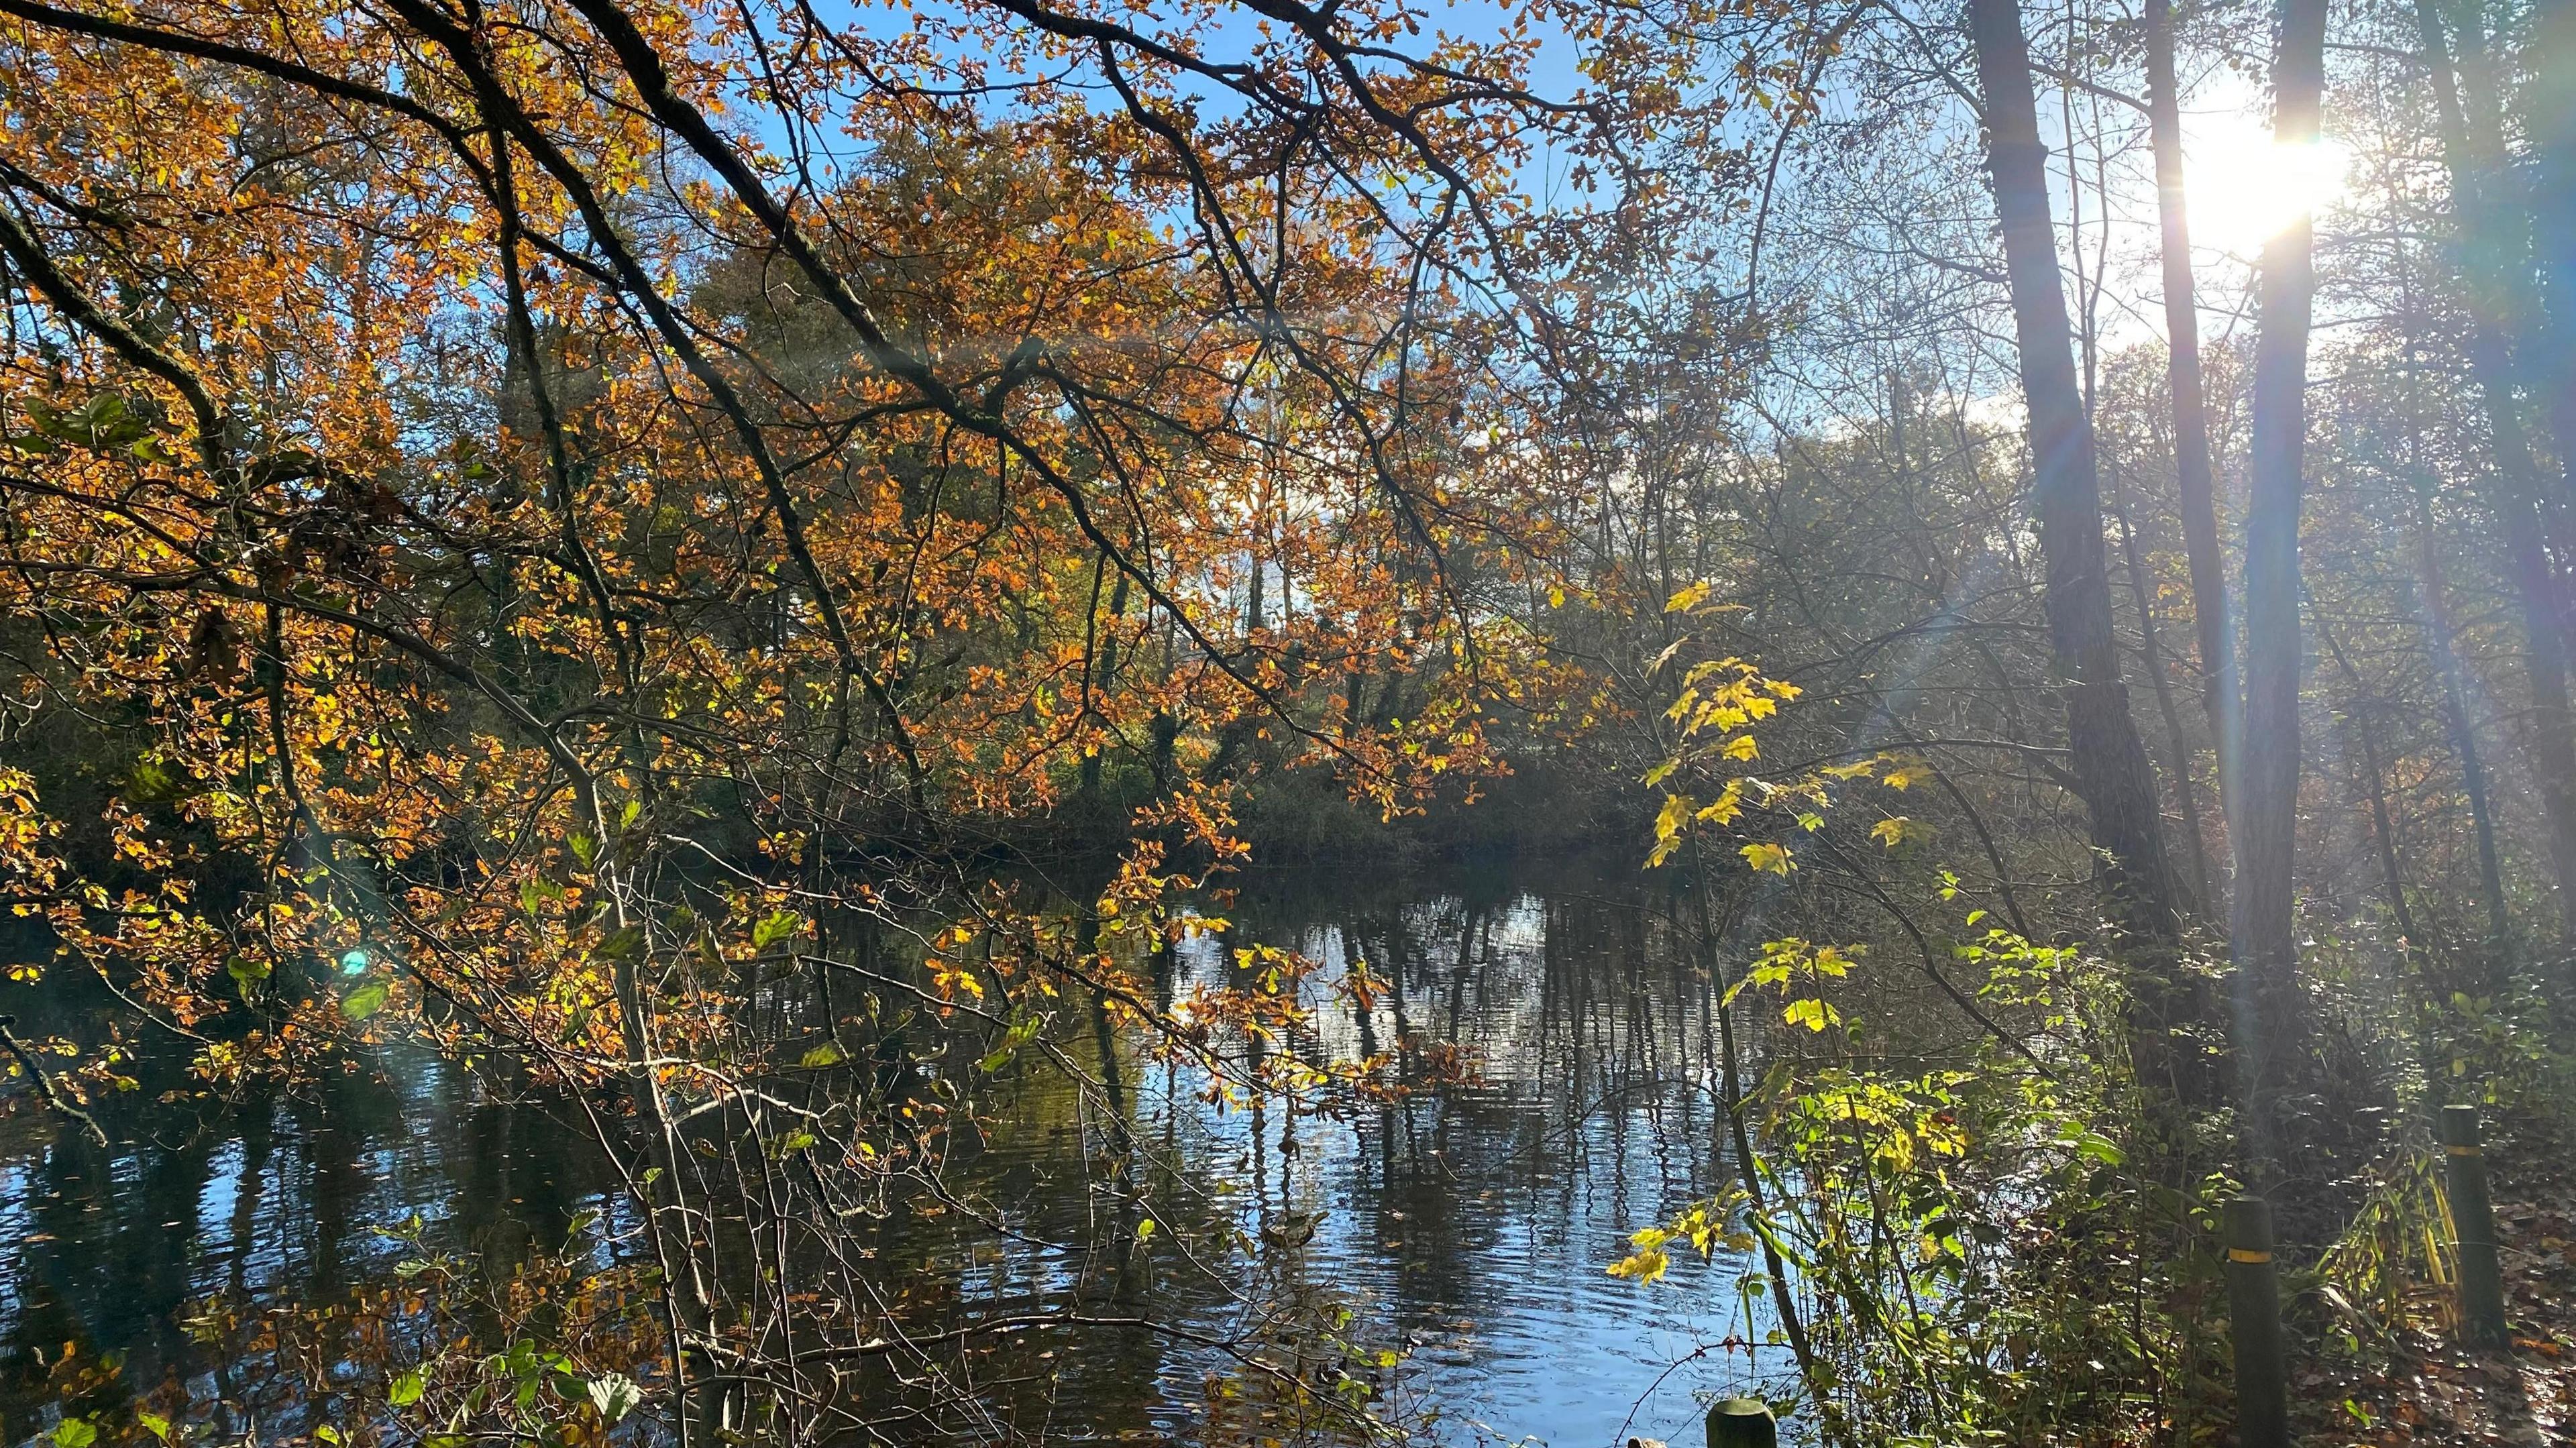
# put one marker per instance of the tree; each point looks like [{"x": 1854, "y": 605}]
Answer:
[
  {"x": 2215, "y": 631},
  {"x": 2264, "y": 932},
  {"x": 2492, "y": 258},
  {"x": 580, "y": 513},
  {"x": 2110, "y": 764}
]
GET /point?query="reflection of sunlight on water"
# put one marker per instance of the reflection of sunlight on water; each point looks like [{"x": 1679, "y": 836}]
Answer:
[
  {"x": 222, "y": 1192},
  {"x": 16, "y": 1223}
]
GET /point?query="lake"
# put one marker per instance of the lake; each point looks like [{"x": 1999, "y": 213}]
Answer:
[{"x": 1468, "y": 1227}]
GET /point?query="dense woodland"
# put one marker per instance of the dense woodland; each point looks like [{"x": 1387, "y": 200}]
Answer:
[{"x": 754, "y": 570}]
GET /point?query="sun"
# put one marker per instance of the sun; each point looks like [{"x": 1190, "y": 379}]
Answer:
[{"x": 2243, "y": 190}]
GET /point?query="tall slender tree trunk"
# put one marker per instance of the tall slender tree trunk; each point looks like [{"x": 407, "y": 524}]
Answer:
[
  {"x": 2194, "y": 482},
  {"x": 2455, "y": 715},
  {"x": 2550, "y": 123},
  {"x": 2111, "y": 768},
  {"x": 2373, "y": 784},
  {"x": 2435, "y": 595},
  {"x": 2520, "y": 497},
  {"x": 2263, "y": 930},
  {"x": 2142, "y": 597}
]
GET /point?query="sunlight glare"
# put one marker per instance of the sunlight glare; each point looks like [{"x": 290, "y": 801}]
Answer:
[{"x": 2243, "y": 190}]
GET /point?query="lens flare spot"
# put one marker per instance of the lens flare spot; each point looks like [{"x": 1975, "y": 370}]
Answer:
[{"x": 2243, "y": 190}]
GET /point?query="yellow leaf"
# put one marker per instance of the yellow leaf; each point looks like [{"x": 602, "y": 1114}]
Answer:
[
  {"x": 1814, "y": 1014},
  {"x": 1723, "y": 809},
  {"x": 1644, "y": 1266},
  {"x": 1896, "y": 830},
  {"x": 1676, "y": 814},
  {"x": 1772, "y": 858}
]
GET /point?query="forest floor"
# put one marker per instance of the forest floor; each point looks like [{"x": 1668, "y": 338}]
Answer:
[{"x": 2425, "y": 1387}]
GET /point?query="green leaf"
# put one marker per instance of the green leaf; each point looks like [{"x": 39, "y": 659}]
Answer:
[
  {"x": 74, "y": 1433},
  {"x": 406, "y": 1390},
  {"x": 776, "y": 926},
  {"x": 365, "y": 1001},
  {"x": 2099, "y": 1147},
  {"x": 614, "y": 1394},
  {"x": 154, "y": 1424},
  {"x": 154, "y": 779},
  {"x": 326, "y": 1434},
  {"x": 583, "y": 847},
  {"x": 1014, "y": 1038},
  {"x": 826, "y": 1054},
  {"x": 622, "y": 943}
]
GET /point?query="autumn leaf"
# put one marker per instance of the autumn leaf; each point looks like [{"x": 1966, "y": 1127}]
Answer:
[
  {"x": 1814, "y": 1014},
  {"x": 1768, "y": 858},
  {"x": 1898, "y": 830},
  {"x": 1648, "y": 1261}
]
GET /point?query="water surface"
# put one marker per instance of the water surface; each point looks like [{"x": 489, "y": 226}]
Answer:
[{"x": 1471, "y": 1225}]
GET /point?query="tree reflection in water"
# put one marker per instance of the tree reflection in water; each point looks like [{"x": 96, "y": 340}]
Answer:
[{"x": 1467, "y": 1223}]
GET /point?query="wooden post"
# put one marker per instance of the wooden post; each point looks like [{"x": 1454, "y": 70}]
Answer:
[
  {"x": 1742, "y": 1423},
  {"x": 2464, "y": 1164},
  {"x": 2254, "y": 1317}
]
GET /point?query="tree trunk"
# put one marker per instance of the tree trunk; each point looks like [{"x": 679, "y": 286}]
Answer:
[
  {"x": 2551, "y": 126},
  {"x": 2455, "y": 716},
  {"x": 2142, "y": 596},
  {"x": 2111, "y": 769},
  {"x": 2265, "y": 830},
  {"x": 2194, "y": 486},
  {"x": 2520, "y": 500},
  {"x": 2374, "y": 787}
]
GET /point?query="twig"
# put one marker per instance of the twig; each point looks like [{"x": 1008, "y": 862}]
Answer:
[{"x": 44, "y": 1084}]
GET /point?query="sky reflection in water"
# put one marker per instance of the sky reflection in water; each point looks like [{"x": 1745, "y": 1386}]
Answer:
[{"x": 1474, "y": 1227}]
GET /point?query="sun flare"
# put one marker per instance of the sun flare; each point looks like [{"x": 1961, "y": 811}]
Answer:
[{"x": 2243, "y": 190}]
